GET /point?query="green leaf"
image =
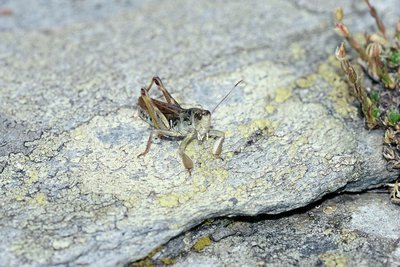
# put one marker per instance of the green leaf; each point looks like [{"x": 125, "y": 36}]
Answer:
[
  {"x": 375, "y": 112},
  {"x": 394, "y": 117},
  {"x": 394, "y": 58}
]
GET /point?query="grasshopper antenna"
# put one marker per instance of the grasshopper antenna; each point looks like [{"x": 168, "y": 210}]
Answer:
[{"x": 226, "y": 95}]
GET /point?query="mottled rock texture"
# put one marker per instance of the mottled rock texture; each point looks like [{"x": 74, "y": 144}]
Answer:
[
  {"x": 346, "y": 230},
  {"x": 72, "y": 188}
]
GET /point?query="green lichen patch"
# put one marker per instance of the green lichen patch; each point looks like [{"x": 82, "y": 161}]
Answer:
[
  {"x": 147, "y": 261},
  {"x": 202, "y": 243},
  {"x": 168, "y": 261}
]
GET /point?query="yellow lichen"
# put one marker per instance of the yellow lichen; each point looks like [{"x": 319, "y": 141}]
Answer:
[
  {"x": 79, "y": 133},
  {"x": 329, "y": 210},
  {"x": 328, "y": 231},
  {"x": 228, "y": 155},
  {"x": 132, "y": 201},
  {"x": 270, "y": 109},
  {"x": 296, "y": 173},
  {"x": 202, "y": 243},
  {"x": 40, "y": 199},
  {"x": 348, "y": 235},
  {"x": 297, "y": 51},
  {"x": 147, "y": 261},
  {"x": 175, "y": 226},
  {"x": 169, "y": 201},
  {"x": 282, "y": 94},
  {"x": 231, "y": 225},
  {"x": 59, "y": 244},
  {"x": 340, "y": 94},
  {"x": 229, "y": 133},
  {"x": 333, "y": 260},
  {"x": 168, "y": 261},
  {"x": 296, "y": 145},
  {"x": 207, "y": 171},
  {"x": 17, "y": 248},
  {"x": 33, "y": 176},
  {"x": 208, "y": 222},
  {"x": 20, "y": 198},
  {"x": 261, "y": 124},
  {"x": 329, "y": 207},
  {"x": 306, "y": 82}
]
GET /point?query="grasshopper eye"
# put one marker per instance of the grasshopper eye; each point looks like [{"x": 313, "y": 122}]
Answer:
[
  {"x": 202, "y": 113},
  {"x": 198, "y": 116}
]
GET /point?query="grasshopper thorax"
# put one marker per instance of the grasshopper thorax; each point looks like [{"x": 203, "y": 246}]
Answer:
[{"x": 201, "y": 119}]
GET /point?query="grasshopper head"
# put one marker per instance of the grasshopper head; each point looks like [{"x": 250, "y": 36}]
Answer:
[{"x": 201, "y": 119}]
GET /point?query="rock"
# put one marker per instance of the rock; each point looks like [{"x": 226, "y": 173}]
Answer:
[
  {"x": 72, "y": 188},
  {"x": 362, "y": 231}
]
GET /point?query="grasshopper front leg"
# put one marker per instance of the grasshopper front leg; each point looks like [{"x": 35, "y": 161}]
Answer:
[{"x": 217, "y": 148}]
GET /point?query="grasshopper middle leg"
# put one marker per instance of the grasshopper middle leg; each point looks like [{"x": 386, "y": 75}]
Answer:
[
  {"x": 187, "y": 162},
  {"x": 157, "y": 132}
]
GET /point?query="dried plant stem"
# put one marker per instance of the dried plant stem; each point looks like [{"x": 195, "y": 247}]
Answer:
[
  {"x": 342, "y": 30},
  {"x": 378, "y": 19},
  {"x": 361, "y": 94}
]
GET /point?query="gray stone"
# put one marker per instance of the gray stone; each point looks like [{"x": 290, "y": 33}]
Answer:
[
  {"x": 72, "y": 188},
  {"x": 336, "y": 232}
]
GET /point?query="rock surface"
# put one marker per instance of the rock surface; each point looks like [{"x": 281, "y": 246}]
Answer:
[
  {"x": 72, "y": 188},
  {"x": 347, "y": 230}
]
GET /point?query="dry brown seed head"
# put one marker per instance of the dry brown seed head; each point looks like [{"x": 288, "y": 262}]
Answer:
[
  {"x": 373, "y": 50},
  {"x": 376, "y": 38},
  {"x": 342, "y": 30},
  {"x": 388, "y": 153},
  {"x": 389, "y": 136},
  {"x": 340, "y": 52}
]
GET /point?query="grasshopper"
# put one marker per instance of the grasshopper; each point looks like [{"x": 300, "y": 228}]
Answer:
[{"x": 169, "y": 119}]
